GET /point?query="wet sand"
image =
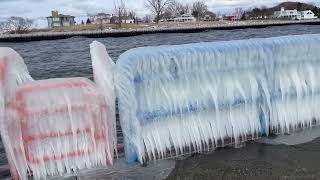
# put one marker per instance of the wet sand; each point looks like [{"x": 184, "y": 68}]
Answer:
[{"x": 254, "y": 161}]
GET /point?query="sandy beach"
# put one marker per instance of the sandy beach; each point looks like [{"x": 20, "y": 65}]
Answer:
[{"x": 254, "y": 161}]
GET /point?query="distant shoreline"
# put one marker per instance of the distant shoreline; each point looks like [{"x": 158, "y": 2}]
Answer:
[{"x": 140, "y": 31}]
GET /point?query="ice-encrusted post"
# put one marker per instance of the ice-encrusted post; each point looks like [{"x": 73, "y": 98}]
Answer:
[
  {"x": 102, "y": 66},
  {"x": 13, "y": 72}
]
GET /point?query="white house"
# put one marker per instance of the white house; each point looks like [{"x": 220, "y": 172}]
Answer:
[
  {"x": 101, "y": 18},
  {"x": 60, "y": 20},
  {"x": 293, "y": 14},
  {"x": 307, "y": 15},
  {"x": 128, "y": 21},
  {"x": 185, "y": 18},
  {"x": 287, "y": 14}
]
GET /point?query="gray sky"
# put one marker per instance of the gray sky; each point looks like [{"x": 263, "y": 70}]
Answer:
[{"x": 39, "y": 9}]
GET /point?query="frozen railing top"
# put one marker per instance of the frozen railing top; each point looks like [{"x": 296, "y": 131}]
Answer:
[
  {"x": 146, "y": 61},
  {"x": 14, "y": 71},
  {"x": 171, "y": 84}
]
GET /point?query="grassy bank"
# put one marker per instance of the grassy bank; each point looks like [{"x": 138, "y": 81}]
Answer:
[
  {"x": 165, "y": 25},
  {"x": 109, "y": 30},
  {"x": 93, "y": 27}
]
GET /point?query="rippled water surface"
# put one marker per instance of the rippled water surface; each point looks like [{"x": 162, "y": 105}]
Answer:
[{"x": 71, "y": 58}]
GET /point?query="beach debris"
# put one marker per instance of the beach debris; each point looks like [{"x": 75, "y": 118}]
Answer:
[
  {"x": 184, "y": 98},
  {"x": 52, "y": 127}
]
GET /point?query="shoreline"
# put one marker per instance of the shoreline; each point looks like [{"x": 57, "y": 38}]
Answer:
[{"x": 140, "y": 31}]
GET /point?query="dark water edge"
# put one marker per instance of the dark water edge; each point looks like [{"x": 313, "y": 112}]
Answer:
[
  {"x": 255, "y": 161},
  {"x": 71, "y": 58}
]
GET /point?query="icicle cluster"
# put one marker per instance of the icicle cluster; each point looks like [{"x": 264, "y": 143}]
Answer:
[
  {"x": 52, "y": 127},
  {"x": 295, "y": 92},
  {"x": 195, "y": 95}
]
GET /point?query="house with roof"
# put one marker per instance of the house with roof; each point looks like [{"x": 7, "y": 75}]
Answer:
[
  {"x": 308, "y": 15},
  {"x": 124, "y": 19},
  {"x": 184, "y": 18},
  {"x": 287, "y": 14},
  {"x": 60, "y": 20},
  {"x": 294, "y": 14},
  {"x": 101, "y": 18}
]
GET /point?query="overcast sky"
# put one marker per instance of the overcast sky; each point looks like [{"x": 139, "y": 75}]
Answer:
[{"x": 39, "y": 9}]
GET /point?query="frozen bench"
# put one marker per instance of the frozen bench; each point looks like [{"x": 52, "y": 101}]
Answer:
[
  {"x": 195, "y": 96},
  {"x": 55, "y": 126}
]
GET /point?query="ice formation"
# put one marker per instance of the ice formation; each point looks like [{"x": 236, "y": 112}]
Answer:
[
  {"x": 103, "y": 66},
  {"x": 55, "y": 126},
  {"x": 197, "y": 95}
]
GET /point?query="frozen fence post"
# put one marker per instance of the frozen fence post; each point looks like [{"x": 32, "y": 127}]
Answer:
[
  {"x": 103, "y": 66},
  {"x": 52, "y": 127}
]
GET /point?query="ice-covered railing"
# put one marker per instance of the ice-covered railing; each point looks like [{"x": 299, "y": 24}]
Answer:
[
  {"x": 196, "y": 95},
  {"x": 55, "y": 126}
]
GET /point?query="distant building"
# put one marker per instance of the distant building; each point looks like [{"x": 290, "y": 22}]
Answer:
[
  {"x": 60, "y": 20},
  {"x": 101, "y": 18},
  {"x": 232, "y": 18},
  {"x": 293, "y": 14},
  {"x": 209, "y": 16},
  {"x": 307, "y": 15},
  {"x": 287, "y": 14},
  {"x": 128, "y": 21},
  {"x": 125, "y": 19},
  {"x": 185, "y": 18}
]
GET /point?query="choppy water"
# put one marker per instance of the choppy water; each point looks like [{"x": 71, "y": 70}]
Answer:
[{"x": 71, "y": 57}]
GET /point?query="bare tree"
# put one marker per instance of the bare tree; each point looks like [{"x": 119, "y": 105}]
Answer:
[
  {"x": 147, "y": 19},
  {"x": 199, "y": 9},
  {"x": 239, "y": 12},
  {"x": 120, "y": 10},
  {"x": 176, "y": 8},
  {"x": 184, "y": 9},
  {"x": 2, "y": 27},
  {"x": 132, "y": 15},
  {"x": 16, "y": 25},
  {"x": 167, "y": 14},
  {"x": 157, "y": 7},
  {"x": 173, "y": 8}
]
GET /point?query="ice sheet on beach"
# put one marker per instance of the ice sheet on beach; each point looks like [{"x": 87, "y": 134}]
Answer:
[
  {"x": 54, "y": 126},
  {"x": 196, "y": 95}
]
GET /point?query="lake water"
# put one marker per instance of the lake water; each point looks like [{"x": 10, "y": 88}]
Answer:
[{"x": 71, "y": 58}]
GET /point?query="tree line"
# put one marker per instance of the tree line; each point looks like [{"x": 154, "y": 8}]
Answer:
[
  {"x": 161, "y": 9},
  {"x": 16, "y": 25},
  {"x": 166, "y": 9}
]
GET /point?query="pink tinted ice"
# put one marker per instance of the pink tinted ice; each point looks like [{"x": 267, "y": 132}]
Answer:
[{"x": 52, "y": 127}]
